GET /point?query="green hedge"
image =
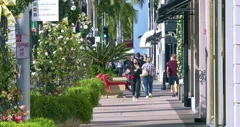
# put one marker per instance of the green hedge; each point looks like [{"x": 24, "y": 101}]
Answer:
[
  {"x": 95, "y": 84},
  {"x": 90, "y": 88},
  {"x": 76, "y": 102},
  {"x": 38, "y": 122},
  {"x": 61, "y": 108},
  {"x": 89, "y": 93}
]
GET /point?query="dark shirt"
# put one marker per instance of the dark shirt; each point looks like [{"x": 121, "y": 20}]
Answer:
[
  {"x": 137, "y": 73},
  {"x": 172, "y": 67},
  {"x": 127, "y": 63}
]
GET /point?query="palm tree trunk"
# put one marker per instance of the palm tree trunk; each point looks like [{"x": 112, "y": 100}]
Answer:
[
  {"x": 119, "y": 30},
  {"x": 95, "y": 5}
]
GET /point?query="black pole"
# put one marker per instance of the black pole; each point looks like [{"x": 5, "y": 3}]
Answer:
[{"x": 187, "y": 101}]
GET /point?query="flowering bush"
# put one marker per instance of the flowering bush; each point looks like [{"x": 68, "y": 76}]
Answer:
[
  {"x": 10, "y": 93},
  {"x": 84, "y": 24},
  {"x": 60, "y": 61}
]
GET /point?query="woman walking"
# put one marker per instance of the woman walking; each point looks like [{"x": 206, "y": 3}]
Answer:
[{"x": 135, "y": 71}]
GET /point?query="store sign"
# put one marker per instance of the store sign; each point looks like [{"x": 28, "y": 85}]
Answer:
[
  {"x": 45, "y": 10},
  {"x": 23, "y": 46}
]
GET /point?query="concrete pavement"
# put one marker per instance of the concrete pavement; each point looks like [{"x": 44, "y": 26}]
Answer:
[{"x": 162, "y": 110}]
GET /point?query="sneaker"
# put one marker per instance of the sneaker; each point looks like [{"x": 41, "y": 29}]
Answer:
[
  {"x": 150, "y": 95},
  {"x": 147, "y": 96},
  {"x": 134, "y": 99}
]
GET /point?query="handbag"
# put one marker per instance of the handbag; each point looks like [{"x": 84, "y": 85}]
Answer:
[{"x": 144, "y": 73}]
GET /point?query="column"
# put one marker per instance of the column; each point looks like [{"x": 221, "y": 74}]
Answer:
[
  {"x": 229, "y": 63},
  {"x": 202, "y": 60},
  {"x": 236, "y": 61}
]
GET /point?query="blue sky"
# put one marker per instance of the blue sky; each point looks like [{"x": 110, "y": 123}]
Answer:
[{"x": 140, "y": 27}]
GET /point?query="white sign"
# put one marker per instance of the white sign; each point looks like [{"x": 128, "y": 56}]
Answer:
[
  {"x": 45, "y": 10},
  {"x": 11, "y": 42},
  {"x": 23, "y": 46}
]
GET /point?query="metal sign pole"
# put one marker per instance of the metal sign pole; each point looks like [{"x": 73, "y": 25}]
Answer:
[{"x": 24, "y": 80}]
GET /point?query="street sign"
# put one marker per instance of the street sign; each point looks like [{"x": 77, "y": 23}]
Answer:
[
  {"x": 22, "y": 46},
  {"x": 45, "y": 10}
]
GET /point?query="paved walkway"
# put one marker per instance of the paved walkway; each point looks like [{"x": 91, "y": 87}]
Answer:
[{"x": 160, "y": 111}]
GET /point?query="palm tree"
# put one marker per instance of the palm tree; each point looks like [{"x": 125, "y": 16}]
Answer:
[
  {"x": 103, "y": 53},
  {"x": 141, "y": 2},
  {"x": 121, "y": 16}
]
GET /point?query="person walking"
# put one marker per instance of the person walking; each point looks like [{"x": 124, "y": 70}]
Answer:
[
  {"x": 119, "y": 65},
  {"x": 150, "y": 73},
  {"x": 135, "y": 80},
  {"x": 172, "y": 66},
  {"x": 140, "y": 59}
]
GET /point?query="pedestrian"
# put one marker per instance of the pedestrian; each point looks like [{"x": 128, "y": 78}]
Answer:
[
  {"x": 135, "y": 80},
  {"x": 140, "y": 59},
  {"x": 127, "y": 63},
  {"x": 172, "y": 66},
  {"x": 145, "y": 57},
  {"x": 119, "y": 68},
  {"x": 150, "y": 73}
]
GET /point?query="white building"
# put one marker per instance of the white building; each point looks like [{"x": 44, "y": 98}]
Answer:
[{"x": 211, "y": 54}]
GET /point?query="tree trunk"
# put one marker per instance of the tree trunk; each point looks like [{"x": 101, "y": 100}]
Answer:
[
  {"x": 95, "y": 5},
  {"x": 119, "y": 31}
]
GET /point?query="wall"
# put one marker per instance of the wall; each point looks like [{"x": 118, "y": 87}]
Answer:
[
  {"x": 236, "y": 61},
  {"x": 202, "y": 59},
  {"x": 229, "y": 63}
]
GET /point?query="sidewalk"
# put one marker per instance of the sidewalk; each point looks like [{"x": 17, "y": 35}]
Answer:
[{"x": 162, "y": 110}]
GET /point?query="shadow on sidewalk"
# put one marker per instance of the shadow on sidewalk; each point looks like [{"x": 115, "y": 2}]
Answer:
[{"x": 185, "y": 114}]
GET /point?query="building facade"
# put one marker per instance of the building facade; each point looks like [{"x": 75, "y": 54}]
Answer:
[{"x": 211, "y": 44}]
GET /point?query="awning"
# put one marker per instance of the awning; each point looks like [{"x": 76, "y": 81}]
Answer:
[
  {"x": 154, "y": 37},
  {"x": 171, "y": 9},
  {"x": 147, "y": 37},
  {"x": 143, "y": 43},
  {"x": 130, "y": 51}
]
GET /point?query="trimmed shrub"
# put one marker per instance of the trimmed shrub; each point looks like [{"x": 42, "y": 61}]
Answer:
[
  {"x": 38, "y": 122},
  {"x": 89, "y": 93},
  {"x": 95, "y": 84},
  {"x": 61, "y": 108}
]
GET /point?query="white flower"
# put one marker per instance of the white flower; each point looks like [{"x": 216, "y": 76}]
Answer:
[
  {"x": 34, "y": 61},
  {"x": 38, "y": 52},
  {"x": 81, "y": 39},
  {"x": 63, "y": 58},
  {"x": 62, "y": 31},
  {"x": 83, "y": 14},
  {"x": 65, "y": 42},
  {"x": 72, "y": 48},
  {"x": 85, "y": 26},
  {"x": 50, "y": 61},
  {"x": 34, "y": 73},
  {"x": 41, "y": 31},
  {"x": 73, "y": 24},
  {"x": 67, "y": 38},
  {"x": 54, "y": 24},
  {"x": 46, "y": 54},
  {"x": 54, "y": 52},
  {"x": 60, "y": 48},
  {"x": 60, "y": 37}
]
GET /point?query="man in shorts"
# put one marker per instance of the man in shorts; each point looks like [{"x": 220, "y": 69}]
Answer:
[{"x": 172, "y": 66}]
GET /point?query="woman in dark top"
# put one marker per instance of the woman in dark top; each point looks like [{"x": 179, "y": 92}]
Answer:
[{"x": 135, "y": 80}]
